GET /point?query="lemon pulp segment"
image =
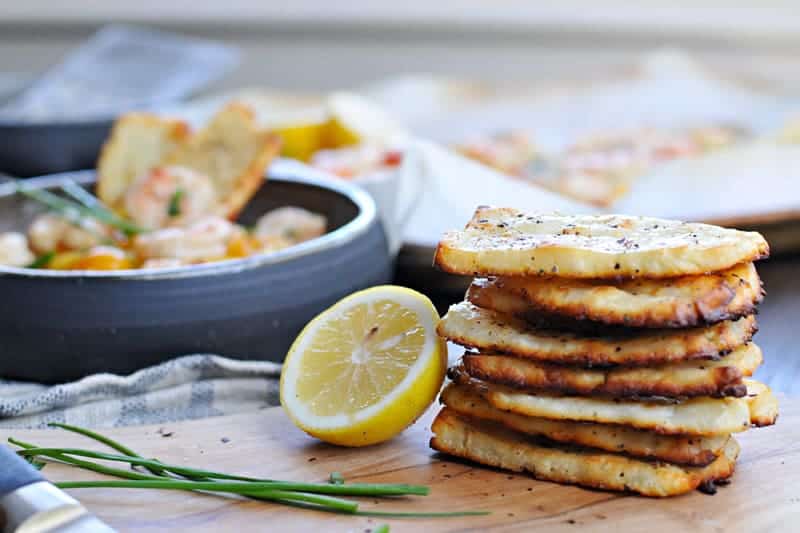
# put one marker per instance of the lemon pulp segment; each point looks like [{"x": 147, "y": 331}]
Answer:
[{"x": 367, "y": 351}]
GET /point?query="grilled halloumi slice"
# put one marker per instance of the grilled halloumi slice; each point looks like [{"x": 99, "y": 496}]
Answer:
[
  {"x": 762, "y": 403},
  {"x": 493, "y": 445},
  {"x": 696, "y": 451},
  {"x": 508, "y": 242},
  {"x": 139, "y": 142},
  {"x": 234, "y": 152},
  {"x": 722, "y": 377},
  {"x": 664, "y": 303},
  {"x": 231, "y": 150},
  {"x": 694, "y": 416},
  {"x": 490, "y": 331}
]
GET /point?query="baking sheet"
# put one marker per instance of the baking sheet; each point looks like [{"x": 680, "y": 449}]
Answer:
[{"x": 750, "y": 184}]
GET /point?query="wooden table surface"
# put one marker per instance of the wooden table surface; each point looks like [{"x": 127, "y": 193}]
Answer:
[{"x": 764, "y": 494}]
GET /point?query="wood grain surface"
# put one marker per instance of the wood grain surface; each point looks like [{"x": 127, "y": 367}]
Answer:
[{"x": 764, "y": 494}]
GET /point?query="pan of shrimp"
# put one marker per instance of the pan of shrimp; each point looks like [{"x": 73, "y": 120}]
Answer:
[{"x": 179, "y": 242}]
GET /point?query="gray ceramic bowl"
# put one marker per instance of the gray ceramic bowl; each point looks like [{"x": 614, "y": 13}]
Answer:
[
  {"x": 60, "y": 325},
  {"x": 32, "y": 149}
]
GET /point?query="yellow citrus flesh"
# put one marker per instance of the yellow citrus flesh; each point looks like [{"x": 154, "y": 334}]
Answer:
[
  {"x": 356, "y": 120},
  {"x": 338, "y": 135},
  {"x": 301, "y": 141},
  {"x": 366, "y": 368}
]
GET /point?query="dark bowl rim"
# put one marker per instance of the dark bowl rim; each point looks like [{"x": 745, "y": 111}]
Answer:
[
  {"x": 367, "y": 215},
  {"x": 10, "y": 125},
  {"x": 104, "y": 119}
]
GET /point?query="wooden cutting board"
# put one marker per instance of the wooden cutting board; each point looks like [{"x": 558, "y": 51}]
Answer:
[{"x": 764, "y": 494}]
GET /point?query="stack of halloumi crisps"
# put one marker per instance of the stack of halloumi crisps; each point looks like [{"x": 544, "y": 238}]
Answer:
[{"x": 606, "y": 351}]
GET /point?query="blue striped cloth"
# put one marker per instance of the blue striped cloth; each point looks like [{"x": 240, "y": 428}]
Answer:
[{"x": 186, "y": 388}]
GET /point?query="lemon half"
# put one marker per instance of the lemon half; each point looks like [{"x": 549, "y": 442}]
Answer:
[
  {"x": 366, "y": 368},
  {"x": 356, "y": 120}
]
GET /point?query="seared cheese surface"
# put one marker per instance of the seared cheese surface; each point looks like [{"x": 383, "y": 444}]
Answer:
[{"x": 508, "y": 242}]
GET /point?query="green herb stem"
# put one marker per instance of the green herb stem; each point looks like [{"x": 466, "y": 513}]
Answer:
[
  {"x": 69, "y": 210},
  {"x": 330, "y": 503},
  {"x": 38, "y": 465},
  {"x": 174, "y": 208},
  {"x": 75, "y": 212},
  {"x": 86, "y": 465},
  {"x": 111, "y": 443},
  {"x": 42, "y": 260},
  {"x": 337, "y": 504},
  {"x": 102, "y": 439},
  {"x": 150, "y": 464},
  {"x": 98, "y": 209},
  {"x": 352, "y": 489},
  {"x": 316, "y": 496}
]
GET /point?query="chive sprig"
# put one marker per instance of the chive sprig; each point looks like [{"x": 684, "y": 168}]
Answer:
[{"x": 144, "y": 473}]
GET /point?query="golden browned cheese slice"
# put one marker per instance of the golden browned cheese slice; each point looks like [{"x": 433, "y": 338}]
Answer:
[
  {"x": 233, "y": 152},
  {"x": 508, "y": 242},
  {"x": 490, "y": 331},
  {"x": 699, "y": 377},
  {"x": 485, "y": 293},
  {"x": 138, "y": 143},
  {"x": 694, "y": 416},
  {"x": 667, "y": 303},
  {"x": 697, "y": 451},
  {"x": 763, "y": 404},
  {"x": 493, "y": 445}
]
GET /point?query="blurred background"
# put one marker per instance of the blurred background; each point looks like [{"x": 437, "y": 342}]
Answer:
[
  {"x": 676, "y": 109},
  {"x": 319, "y": 45}
]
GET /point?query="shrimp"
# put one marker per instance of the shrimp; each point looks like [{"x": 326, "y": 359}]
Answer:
[
  {"x": 170, "y": 196},
  {"x": 509, "y": 152},
  {"x": 353, "y": 162},
  {"x": 14, "y": 250},
  {"x": 293, "y": 224},
  {"x": 50, "y": 232},
  {"x": 205, "y": 240}
]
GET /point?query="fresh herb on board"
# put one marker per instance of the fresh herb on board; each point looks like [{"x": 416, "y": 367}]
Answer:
[
  {"x": 174, "y": 208},
  {"x": 164, "y": 476}
]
